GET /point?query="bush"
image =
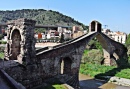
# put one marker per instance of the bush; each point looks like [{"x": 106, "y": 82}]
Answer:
[
  {"x": 2, "y": 52},
  {"x": 94, "y": 69},
  {"x": 124, "y": 73},
  {"x": 2, "y": 49},
  {"x": 53, "y": 87},
  {"x": 99, "y": 71},
  {"x": 92, "y": 56},
  {"x": 1, "y": 36},
  {"x": 3, "y": 42}
]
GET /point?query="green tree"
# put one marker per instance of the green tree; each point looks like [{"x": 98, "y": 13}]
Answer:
[
  {"x": 46, "y": 17},
  {"x": 127, "y": 43},
  {"x": 1, "y": 36},
  {"x": 62, "y": 38}
]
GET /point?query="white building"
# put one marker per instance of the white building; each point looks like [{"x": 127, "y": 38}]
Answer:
[
  {"x": 120, "y": 37},
  {"x": 116, "y": 36}
]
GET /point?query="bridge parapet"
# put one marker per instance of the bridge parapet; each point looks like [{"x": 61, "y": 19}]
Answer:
[{"x": 95, "y": 26}]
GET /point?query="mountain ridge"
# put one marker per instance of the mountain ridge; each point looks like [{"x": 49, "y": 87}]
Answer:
[{"x": 42, "y": 16}]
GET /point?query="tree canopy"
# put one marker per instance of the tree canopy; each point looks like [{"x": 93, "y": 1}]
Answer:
[{"x": 45, "y": 17}]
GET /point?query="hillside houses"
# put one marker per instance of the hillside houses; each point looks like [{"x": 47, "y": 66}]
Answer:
[
  {"x": 55, "y": 34},
  {"x": 116, "y": 36}
]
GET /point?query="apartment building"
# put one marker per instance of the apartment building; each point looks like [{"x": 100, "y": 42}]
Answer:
[{"x": 116, "y": 36}]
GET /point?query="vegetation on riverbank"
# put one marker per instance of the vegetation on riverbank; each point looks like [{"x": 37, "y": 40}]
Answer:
[
  {"x": 57, "y": 86},
  {"x": 91, "y": 65},
  {"x": 92, "y": 60},
  {"x": 2, "y": 52},
  {"x": 101, "y": 71},
  {"x": 94, "y": 69},
  {"x": 1, "y": 55}
]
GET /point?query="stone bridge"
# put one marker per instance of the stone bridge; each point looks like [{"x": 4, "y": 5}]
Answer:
[{"x": 59, "y": 64}]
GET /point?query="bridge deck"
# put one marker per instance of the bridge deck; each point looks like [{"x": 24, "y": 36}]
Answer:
[{"x": 66, "y": 43}]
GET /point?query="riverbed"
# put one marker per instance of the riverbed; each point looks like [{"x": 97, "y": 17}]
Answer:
[{"x": 87, "y": 82}]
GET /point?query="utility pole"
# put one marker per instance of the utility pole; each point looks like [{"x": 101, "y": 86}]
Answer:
[{"x": 105, "y": 26}]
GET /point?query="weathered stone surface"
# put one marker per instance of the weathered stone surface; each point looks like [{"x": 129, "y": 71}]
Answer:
[
  {"x": 45, "y": 66},
  {"x": 21, "y": 43},
  {"x": 120, "y": 81}
]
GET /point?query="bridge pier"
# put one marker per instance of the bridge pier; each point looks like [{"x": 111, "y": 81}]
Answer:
[
  {"x": 20, "y": 41},
  {"x": 107, "y": 60}
]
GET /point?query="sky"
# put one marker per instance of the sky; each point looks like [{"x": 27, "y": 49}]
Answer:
[{"x": 113, "y": 13}]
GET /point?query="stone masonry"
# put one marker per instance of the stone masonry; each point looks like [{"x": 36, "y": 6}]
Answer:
[
  {"x": 21, "y": 43},
  {"x": 43, "y": 66}
]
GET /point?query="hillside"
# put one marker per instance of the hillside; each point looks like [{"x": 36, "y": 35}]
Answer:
[{"x": 46, "y": 17}]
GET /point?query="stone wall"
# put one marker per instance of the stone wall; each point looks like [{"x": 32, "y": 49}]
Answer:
[
  {"x": 20, "y": 41},
  {"x": 34, "y": 69}
]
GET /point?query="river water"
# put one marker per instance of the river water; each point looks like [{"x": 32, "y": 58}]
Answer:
[{"x": 87, "y": 82}]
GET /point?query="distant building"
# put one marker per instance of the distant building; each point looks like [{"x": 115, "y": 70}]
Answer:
[
  {"x": 2, "y": 27},
  {"x": 120, "y": 37},
  {"x": 55, "y": 33},
  {"x": 77, "y": 31},
  {"x": 116, "y": 36}
]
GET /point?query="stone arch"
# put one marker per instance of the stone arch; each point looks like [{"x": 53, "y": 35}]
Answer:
[
  {"x": 106, "y": 42},
  {"x": 108, "y": 49},
  {"x": 66, "y": 63},
  {"x": 103, "y": 42},
  {"x": 15, "y": 46}
]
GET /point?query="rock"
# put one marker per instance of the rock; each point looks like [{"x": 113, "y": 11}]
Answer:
[{"x": 120, "y": 81}]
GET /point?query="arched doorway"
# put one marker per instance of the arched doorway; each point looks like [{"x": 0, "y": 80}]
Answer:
[
  {"x": 15, "y": 47},
  {"x": 99, "y": 27},
  {"x": 93, "y": 26},
  {"x": 66, "y": 65}
]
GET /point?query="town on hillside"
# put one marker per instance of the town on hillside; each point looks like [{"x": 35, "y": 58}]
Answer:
[{"x": 54, "y": 33}]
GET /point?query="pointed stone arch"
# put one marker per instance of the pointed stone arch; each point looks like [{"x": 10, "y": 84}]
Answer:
[{"x": 111, "y": 48}]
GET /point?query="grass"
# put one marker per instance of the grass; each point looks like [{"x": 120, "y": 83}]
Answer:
[
  {"x": 124, "y": 73},
  {"x": 94, "y": 69},
  {"x": 57, "y": 86},
  {"x": 1, "y": 55},
  {"x": 2, "y": 52},
  {"x": 98, "y": 71}
]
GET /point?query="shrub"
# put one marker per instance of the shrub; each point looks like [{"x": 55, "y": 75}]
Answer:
[
  {"x": 99, "y": 71},
  {"x": 56, "y": 86},
  {"x": 3, "y": 42},
  {"x": 92, "y": 56},
  {"x": 94, "y": 69},
  {"x": 1, "y": 36}
]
